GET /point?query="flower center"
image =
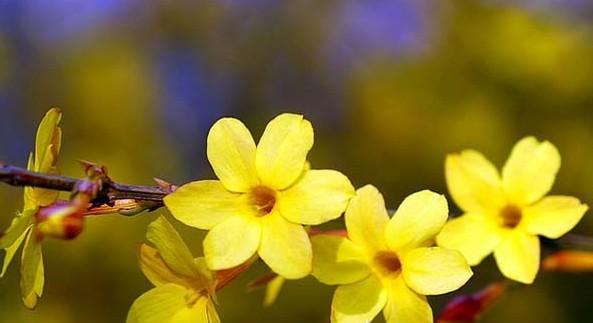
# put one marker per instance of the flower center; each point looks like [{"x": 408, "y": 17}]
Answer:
[
  {"x": 263, "y": 199},
  {"x": 388, "y": 263},
  {"x": 511, "y": 216}
]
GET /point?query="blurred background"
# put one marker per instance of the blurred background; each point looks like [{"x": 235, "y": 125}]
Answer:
[{"x": 391, "y": 87}]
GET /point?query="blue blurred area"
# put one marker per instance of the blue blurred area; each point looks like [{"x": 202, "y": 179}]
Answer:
[
  {"x": 191, "y": 101},
  {"x": 378, "y": 27}
]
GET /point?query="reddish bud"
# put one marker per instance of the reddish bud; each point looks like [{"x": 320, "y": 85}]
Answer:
[
  {"x": 60, "y": 220},
  {"x": 468, "y": 308},
  {"x": 569, "y": 261}
]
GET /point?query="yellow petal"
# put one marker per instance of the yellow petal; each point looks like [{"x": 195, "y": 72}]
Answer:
[
  {"x": 204, "y": 204},
  {"x": 231, "y": 152},
  {"x": 47, "y": 150},
  {"x": 366, "y": 219},
  {"x": 338, "y": 261},
  {"x": 475, "y": 236},
  {"x": 156, "y": 270},
  {"x": 285, "y": 247},
  {"x": 171, "y": 247},
  {"x": 32, "y": 275},
  {"x": 282, "y": 150},
  {"x": 202, "y": 312},
  {"x": 404, "y": 305},
  {"x": 30, "y": 200},
  {"x": 36, "y": 197},
  {"x": 10, "y": 252},
  {"x": 273, "y": 290},
  {"x": 435, "y": 271},
  {"x": 530, "y": 171},
  {"x": 320, "y": 196},
  {"x": 553, "y": 216},
  {"x": 418, "y": 219},
  {"x": 358, "y": 302},
  {"x": 48, "y": 134},
  {"x": 518, "y": 256},
  {"x": 158, "y": 305},
  {"x": 19, "y": 225},
  {"x": 232, "y": 242},
  {"x": 474, "y": 183}
]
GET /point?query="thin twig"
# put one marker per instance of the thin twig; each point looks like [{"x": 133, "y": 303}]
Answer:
[{"x": 109, "y": 194}]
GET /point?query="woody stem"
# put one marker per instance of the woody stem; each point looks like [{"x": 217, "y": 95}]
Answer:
[{"x": 109, "y": 194}]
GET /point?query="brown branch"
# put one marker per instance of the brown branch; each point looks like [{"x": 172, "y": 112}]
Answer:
[{"x": 109, "y": 194}]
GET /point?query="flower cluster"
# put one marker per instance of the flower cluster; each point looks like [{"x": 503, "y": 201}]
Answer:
[
  {"x": 266, "y": 192},
  {"x": 267, "y": 198}
]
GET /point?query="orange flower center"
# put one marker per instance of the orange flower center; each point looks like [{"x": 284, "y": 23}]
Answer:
[
  {"x": 263, "y": 199},
  {"x": 511, "y": 216},
  {"x": 388, "y": 263}
]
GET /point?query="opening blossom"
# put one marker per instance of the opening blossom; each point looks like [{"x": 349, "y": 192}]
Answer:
[
  {"x": 23, "y": 226},
  {"x": 184, "y": 287},
  {"x": 505, "y": 214},
  {"x": 388, "y": 264},
  {"x": 264, "y": 195}
]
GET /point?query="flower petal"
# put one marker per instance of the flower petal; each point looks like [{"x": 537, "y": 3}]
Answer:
[
  {"x": 48, "y": 134},
  {"x": 47, "y": 150},
  {"x": 19, "y": 225},
  {"x": 14, "y": 236},
  {"x": 204, "y": 204},
  {"x": 232, "y": 242},
  {"x": 10, "y": 252},
  {"x": 156, "y": 270},
  {"x": 435, "y": 271},
  {"x": 406, "y": 306},
  {"x": 273, "y": 289},
  {"x": 32, "y": 273},
  {"x": 530, "y": 171},
  {"x": 358, "y": 302},
  {"x": 475, "y": 236},
  {"x": 158, "y": 304},
  {"x": 337, "y": 260},
  {"x": 474, "y": 183},
  {"x": 320, "y": 196},
  {"x": 231, "y": 152},
  {"x": 282, "y": 150},
  {"x": 201, "y": 312},
  {"x": 518, "y": 256},
  {"x": 553, "y": 216},
  {"x": 171, "y": 247},
  {"x": 366, "y": 219},
  {"x": 285, "y": 247},
  {"x": 418, "y": 219}
]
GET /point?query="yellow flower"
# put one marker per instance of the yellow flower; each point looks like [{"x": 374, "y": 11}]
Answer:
[
  {"x": 263, "y": 197},
  {"x": 388, "y": 264},
  {"x": 184, "y": 287},
  {"x": 505, "y": 214},
  {"x": 22, "y": 228}
]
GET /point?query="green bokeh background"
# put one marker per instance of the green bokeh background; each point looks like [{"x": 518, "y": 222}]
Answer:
[{"x": 482, "y": 75}]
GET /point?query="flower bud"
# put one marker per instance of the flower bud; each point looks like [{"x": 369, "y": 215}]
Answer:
[
  {"x": 60, "y": 220},
  {"x": 468, "y": 308},
  {"x": 569, "y": 261}
]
